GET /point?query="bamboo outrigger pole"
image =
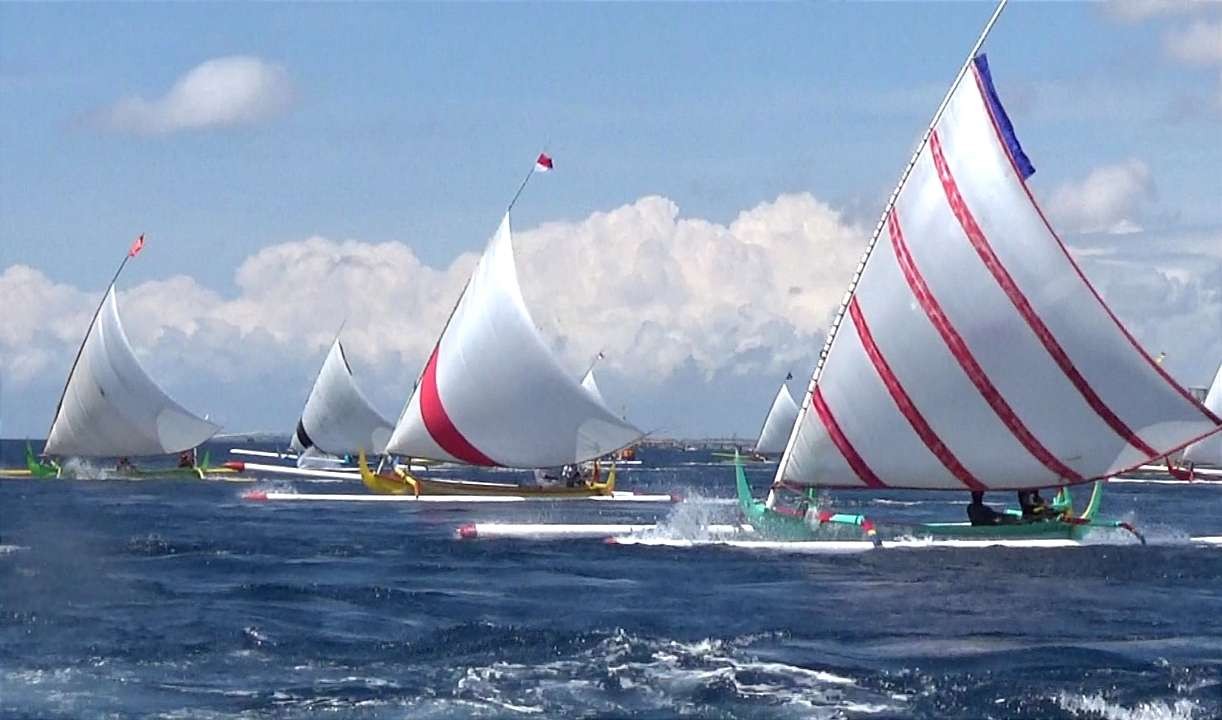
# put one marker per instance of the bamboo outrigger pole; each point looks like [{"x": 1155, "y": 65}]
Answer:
[{"x": 882, "y": 222}]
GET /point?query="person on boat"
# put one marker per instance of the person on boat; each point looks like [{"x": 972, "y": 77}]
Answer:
[
  {"x": 124, "y": 464},
  {"x": 571, "y": 475},
  {"x": 980, "y": 514},
  {"x": 1034, "y": 507},
  {"x": 186, "y": 458}
]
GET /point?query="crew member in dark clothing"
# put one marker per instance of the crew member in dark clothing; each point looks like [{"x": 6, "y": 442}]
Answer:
[
  {"x": 1034, "y": 507},
  {"x": 980, "y": 514}
]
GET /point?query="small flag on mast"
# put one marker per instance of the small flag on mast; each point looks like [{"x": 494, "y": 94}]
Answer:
[
  {"x": 544, "y": 163},
  {"x": 137, "y": 246}
]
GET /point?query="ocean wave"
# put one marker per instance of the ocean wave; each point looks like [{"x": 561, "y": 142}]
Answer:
[{"x": 1096, "y": 706}]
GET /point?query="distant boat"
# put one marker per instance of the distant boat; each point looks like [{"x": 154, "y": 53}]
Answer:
[
  {"x": 110, "y": 407},
  {"x": 971, "y": 353},
  {"x": 493, "y": 395},
  {"x": 338, "y": 419},
  {"x": 777, "y": 425},
  {"x": 1207, "y": 451}
]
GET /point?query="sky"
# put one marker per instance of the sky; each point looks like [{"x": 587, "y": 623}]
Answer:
[{"x": 719, "y": 169}]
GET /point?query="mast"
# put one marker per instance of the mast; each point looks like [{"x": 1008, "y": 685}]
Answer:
[
  {"x": 882, "y": 222},
  {"x": 136, "y": 247}
]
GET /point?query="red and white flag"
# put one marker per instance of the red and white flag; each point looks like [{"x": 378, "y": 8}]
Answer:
[
  {"x": 137, "y": 246},
  {"x": 544, "y": 163}
]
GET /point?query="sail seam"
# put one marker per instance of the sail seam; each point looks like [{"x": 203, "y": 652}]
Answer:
[
  {"x": 959, "y": 349},
  {"x": 850, "y": 454},
  {"x": 442, "y": 429},
  {"x": 905, "y": 404},
  {"x": 993, "y": 264},
  {"x": 1162, "y": 372}
]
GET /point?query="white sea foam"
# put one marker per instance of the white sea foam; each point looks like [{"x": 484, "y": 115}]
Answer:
[{"x": 1098, "y": 706}]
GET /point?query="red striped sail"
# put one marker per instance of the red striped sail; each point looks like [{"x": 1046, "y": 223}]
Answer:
[{"x": 975, "y": 353}]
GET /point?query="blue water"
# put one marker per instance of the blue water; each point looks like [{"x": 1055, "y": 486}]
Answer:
[{"x": 179, "y": 599}]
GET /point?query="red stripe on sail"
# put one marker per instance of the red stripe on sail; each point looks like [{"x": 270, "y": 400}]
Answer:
[
  {"x": 905, "y": 404},
  {"x": 842, "y": 443},
  {"x": 981, "y": 244},
  {"x": 1086, "y": 281},
  {"x": 438, "y": 422},
  {"x": 958, "y": 348}
]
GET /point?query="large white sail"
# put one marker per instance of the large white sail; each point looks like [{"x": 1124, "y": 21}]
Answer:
[
  {"x": 338, "y": 419},
  {"x": 492, "y": 393},
  {"x": 973, "y": 353},
  {"x": 1209, "y": 450},
  {"x": 111, "y": 407},
  {"x": 591, "y": 385},
  {"x": 780, "y": 420}
]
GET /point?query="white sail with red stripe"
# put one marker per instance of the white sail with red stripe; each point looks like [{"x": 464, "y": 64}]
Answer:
[
  {"x": 1208, "y": 451},
  {"x": 492, "y": 393},
  {"x": 780, "y": 420},
  {"x": 338, "y": 419},
  {"x": 972, "y": 352}
]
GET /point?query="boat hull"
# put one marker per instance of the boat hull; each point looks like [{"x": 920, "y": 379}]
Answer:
[
  {"x": 775, "y": 525},
  {"x": 404, "y": 483}
]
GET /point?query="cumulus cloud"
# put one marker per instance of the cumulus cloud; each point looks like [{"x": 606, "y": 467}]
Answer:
[
  {"x": 1111, "y": 199},
  {"x": 659, "y": 293},
  {"x": 1199, "y": 44},
  {"x": 1140, "y": 10},
  {"x": 221, "y": 92},
  {"x": 672, "y": 300}
]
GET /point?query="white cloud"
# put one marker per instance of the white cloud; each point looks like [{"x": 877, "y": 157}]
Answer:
[
  {"x": 661, "y": 294},
  {"x": 1198, "y": 44},
  {"x": 672, "y": 300},
  {"x": 1111, "y": 199},
  {"x": 1141, "y": 10},
  {"x": 225, "y": 91}
]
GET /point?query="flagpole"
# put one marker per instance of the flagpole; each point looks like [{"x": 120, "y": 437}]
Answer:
[
  {"x": 521, "y": 187},
  {"x": 882, "y": 222}
]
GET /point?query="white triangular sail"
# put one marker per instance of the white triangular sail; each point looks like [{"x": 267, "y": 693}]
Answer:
[
  {"x": 492, "y": 393},
  {"x": 111, "y": 407},
  {"x": 972, "y": 352},
  {"x": 1208, "y": 451},
  {"x": 591, "y": 385},
  {"x": 780, "y": 420},
  {"x": 338, "y": 419}
]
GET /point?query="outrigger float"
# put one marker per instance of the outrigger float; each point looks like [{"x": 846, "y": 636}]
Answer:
[{"x": 971, "y": 353}]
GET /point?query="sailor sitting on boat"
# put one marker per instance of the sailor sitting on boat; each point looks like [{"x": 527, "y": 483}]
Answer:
[
  {"x": 980, "y": 514},
  {"x": 1035, "y": 508}
]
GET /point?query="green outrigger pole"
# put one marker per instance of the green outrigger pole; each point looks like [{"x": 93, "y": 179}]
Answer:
[{"x": 803, "y": 525}]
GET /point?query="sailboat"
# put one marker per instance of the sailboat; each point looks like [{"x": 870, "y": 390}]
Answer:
[
  {"x": 493, "y": 395},
  {"x": 623, "y": 456},
  {"x": 1207, "y": 451},
  {"x": 782, "y": 414},
  {"x": 110, "y": 407},
  {"x": 970, "y": 352},
  {"x": 338, "y": 419}
]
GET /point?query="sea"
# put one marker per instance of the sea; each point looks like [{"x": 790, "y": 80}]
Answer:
[{"x": 172, "y": 598}]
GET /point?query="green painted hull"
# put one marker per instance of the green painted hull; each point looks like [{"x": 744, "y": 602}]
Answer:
[
  {"x": 48, "y": 469},
  {"x": 775, "y": 525}
]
